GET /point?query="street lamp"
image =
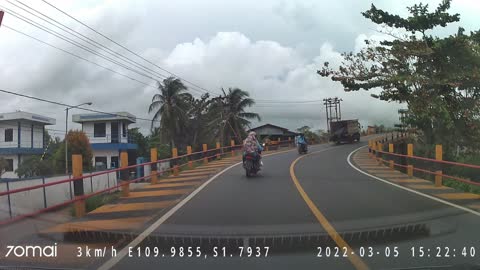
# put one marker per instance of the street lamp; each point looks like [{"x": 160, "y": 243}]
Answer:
[{"x": 66, "y": 132}]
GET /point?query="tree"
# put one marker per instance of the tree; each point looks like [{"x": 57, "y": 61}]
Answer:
[
  {"x": 136, "y": 136},
  {"x": 35, "y": 166},
  {"x": 438, "y": 78},
  {"x": 78, "y": 143},
  {"x": 3, "y": 166},
  {"x": 170, "y": 108},
  {"x": 198, "y": 118},
  {"x": 231, "y": 118}
]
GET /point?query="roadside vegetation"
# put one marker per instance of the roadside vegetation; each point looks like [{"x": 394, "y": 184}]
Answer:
[{"x": 436, "y": 76}]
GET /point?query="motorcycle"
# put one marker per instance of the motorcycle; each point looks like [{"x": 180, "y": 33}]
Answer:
[
  {"x": 302, "y": 148},
  {"x": 251, "y": 163}
]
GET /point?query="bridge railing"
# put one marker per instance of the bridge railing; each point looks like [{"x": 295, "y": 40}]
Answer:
[
  {"x": 384, "y": 152},
  {"x": 177, "y": 163}
]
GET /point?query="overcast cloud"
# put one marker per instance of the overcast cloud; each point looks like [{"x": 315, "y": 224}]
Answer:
[{"x": 270, "y": 48}]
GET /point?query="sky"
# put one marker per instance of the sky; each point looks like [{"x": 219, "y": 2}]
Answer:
[{"x": 270, "y": 48}]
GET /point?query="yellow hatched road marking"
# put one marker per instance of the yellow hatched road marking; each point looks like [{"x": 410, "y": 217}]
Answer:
[
  {"x": 357, "y": 262},
  {"x": 167, "y": 185},
  {"x": 199, "y": 169},
  {"x": 193, "y": 173},
  {"x": 458, "y": 196},
  {"x": 431, "y": 186},
  {"x": 179, "y": 179},
  {"x": 155, "y": 193},
  {"x": 410, "y": 181},
  {"x": 133, "y": 206},
  {"x": 100, "y": 225}
]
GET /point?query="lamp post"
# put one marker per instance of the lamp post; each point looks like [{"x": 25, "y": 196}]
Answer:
[{"x": 66, "y": 132}]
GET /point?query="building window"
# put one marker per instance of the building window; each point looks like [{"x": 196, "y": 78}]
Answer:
[
  {"x": 100, "y": 163},
  {"x": 99, "y": 130},
  {"x": 9, "y": 135},
  {"x": 124, "y": 130},
  {"x": 9, "y": 167}
]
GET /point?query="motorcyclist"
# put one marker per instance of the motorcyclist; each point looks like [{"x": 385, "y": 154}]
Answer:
[
  {"x": 252, "y": 146},
  {"x": 300, "y": 140}
]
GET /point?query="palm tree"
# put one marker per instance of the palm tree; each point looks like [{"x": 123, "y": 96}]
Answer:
[
  {"x": 170, "y": 107},
  {"x": 232, "y": 119}
]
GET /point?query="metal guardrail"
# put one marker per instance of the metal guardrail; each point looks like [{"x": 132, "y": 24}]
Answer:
[{"x": 376, "y": 148}]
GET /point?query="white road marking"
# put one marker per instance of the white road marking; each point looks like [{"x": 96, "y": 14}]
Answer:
[
  {"x": 408, "y": 189},
  {"x": 113, "y": 261}
]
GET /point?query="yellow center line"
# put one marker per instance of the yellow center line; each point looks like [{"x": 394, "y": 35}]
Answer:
[{"x": 357, "y": 262}]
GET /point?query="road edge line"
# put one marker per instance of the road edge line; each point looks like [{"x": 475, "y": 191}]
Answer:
[
  {"x": 408, "y": 189},
  {"x": 123, "y": 252},
  {"x": 354, "y": 259}
]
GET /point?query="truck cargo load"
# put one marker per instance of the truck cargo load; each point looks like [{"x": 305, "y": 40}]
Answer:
[{"x": 345, "y": 131}]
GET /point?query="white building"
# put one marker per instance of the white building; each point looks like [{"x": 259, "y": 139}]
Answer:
[
  {"x": 22, "y": 134},
  {"x": 108, "y": 135}
]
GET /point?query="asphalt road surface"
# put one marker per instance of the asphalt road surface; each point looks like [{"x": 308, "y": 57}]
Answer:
[{"x": 385, "y": 226}]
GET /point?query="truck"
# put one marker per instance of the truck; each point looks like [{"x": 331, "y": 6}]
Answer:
[{"x": 345, "y": 131}]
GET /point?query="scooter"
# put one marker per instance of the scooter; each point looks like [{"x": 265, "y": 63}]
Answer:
[
  {"x": 302, "y": 148},
  {"x": 251, "y": 164}
]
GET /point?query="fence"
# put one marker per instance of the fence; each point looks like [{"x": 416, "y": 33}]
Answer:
[
  {"x": 385, "y": 152},
  {"x": 58, "y": 192},
  {"x": 31, "y": 200}
]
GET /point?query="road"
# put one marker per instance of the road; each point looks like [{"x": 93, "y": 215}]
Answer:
[{"x": 371, "y": 217}]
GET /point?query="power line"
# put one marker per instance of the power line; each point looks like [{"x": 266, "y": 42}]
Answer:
[
  {"x": 127, "y": 49},
  {"x": 63, "y": 37},
  {"x": 77, "y": 56},
  {"x": 68, "y": 105},
  {"x": 111, "y": 52},
  {"x": 86, "y": 39}
]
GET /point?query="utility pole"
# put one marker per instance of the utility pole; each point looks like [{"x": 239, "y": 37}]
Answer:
[
  {"x": 332, "y": 103},
  {"x": 1, "y": 16}
]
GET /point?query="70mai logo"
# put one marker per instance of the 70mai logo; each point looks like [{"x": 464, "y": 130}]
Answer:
[{"x": 32, "y": 251}]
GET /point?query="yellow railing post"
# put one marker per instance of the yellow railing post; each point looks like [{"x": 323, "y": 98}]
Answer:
[
  {"x": 438, "y": 173},
  {"x": 410, "y": 154},
  {"x": 153, "y": 158},
  {"x": 379, "y": 148},
  {"x": 390, "y": 150},
  {"x": 175, "y": 161},
  {"x": 124, "y": 174},
  {"x": 232, "y": 144},
  {"x": 217, "y": 145},
  {"x": 205, "y": 158},
  {"x": 189, "y": 152},
  {"x": 77, "y": 171}
]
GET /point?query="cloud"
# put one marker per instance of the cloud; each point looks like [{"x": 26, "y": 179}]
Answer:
[{"x": 268, "y": 70}]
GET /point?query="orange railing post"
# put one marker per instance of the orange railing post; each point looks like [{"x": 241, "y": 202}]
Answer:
[
  {"x": 217, "y": 145},
  {"x": 175, "y": 161},
  {"x": 379, "y": 156},
  {"x": 77, "y": 171},
  {"x": 124, "y": 174},
  {"x": 232, "y": 144},
  {"x": 410, "y": 154},
  {"x": 153, "y": 158},
  {"x": 438, "y": 173},
  {"x": 189, "y": 152},
  {"x": 205, "y": 158},
  {"x": 390, "y": 150}
]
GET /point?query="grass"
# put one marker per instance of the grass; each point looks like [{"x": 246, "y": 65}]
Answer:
[
  {"x": 461, "y": 186},
  {"x": 95, "y": 202}
]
